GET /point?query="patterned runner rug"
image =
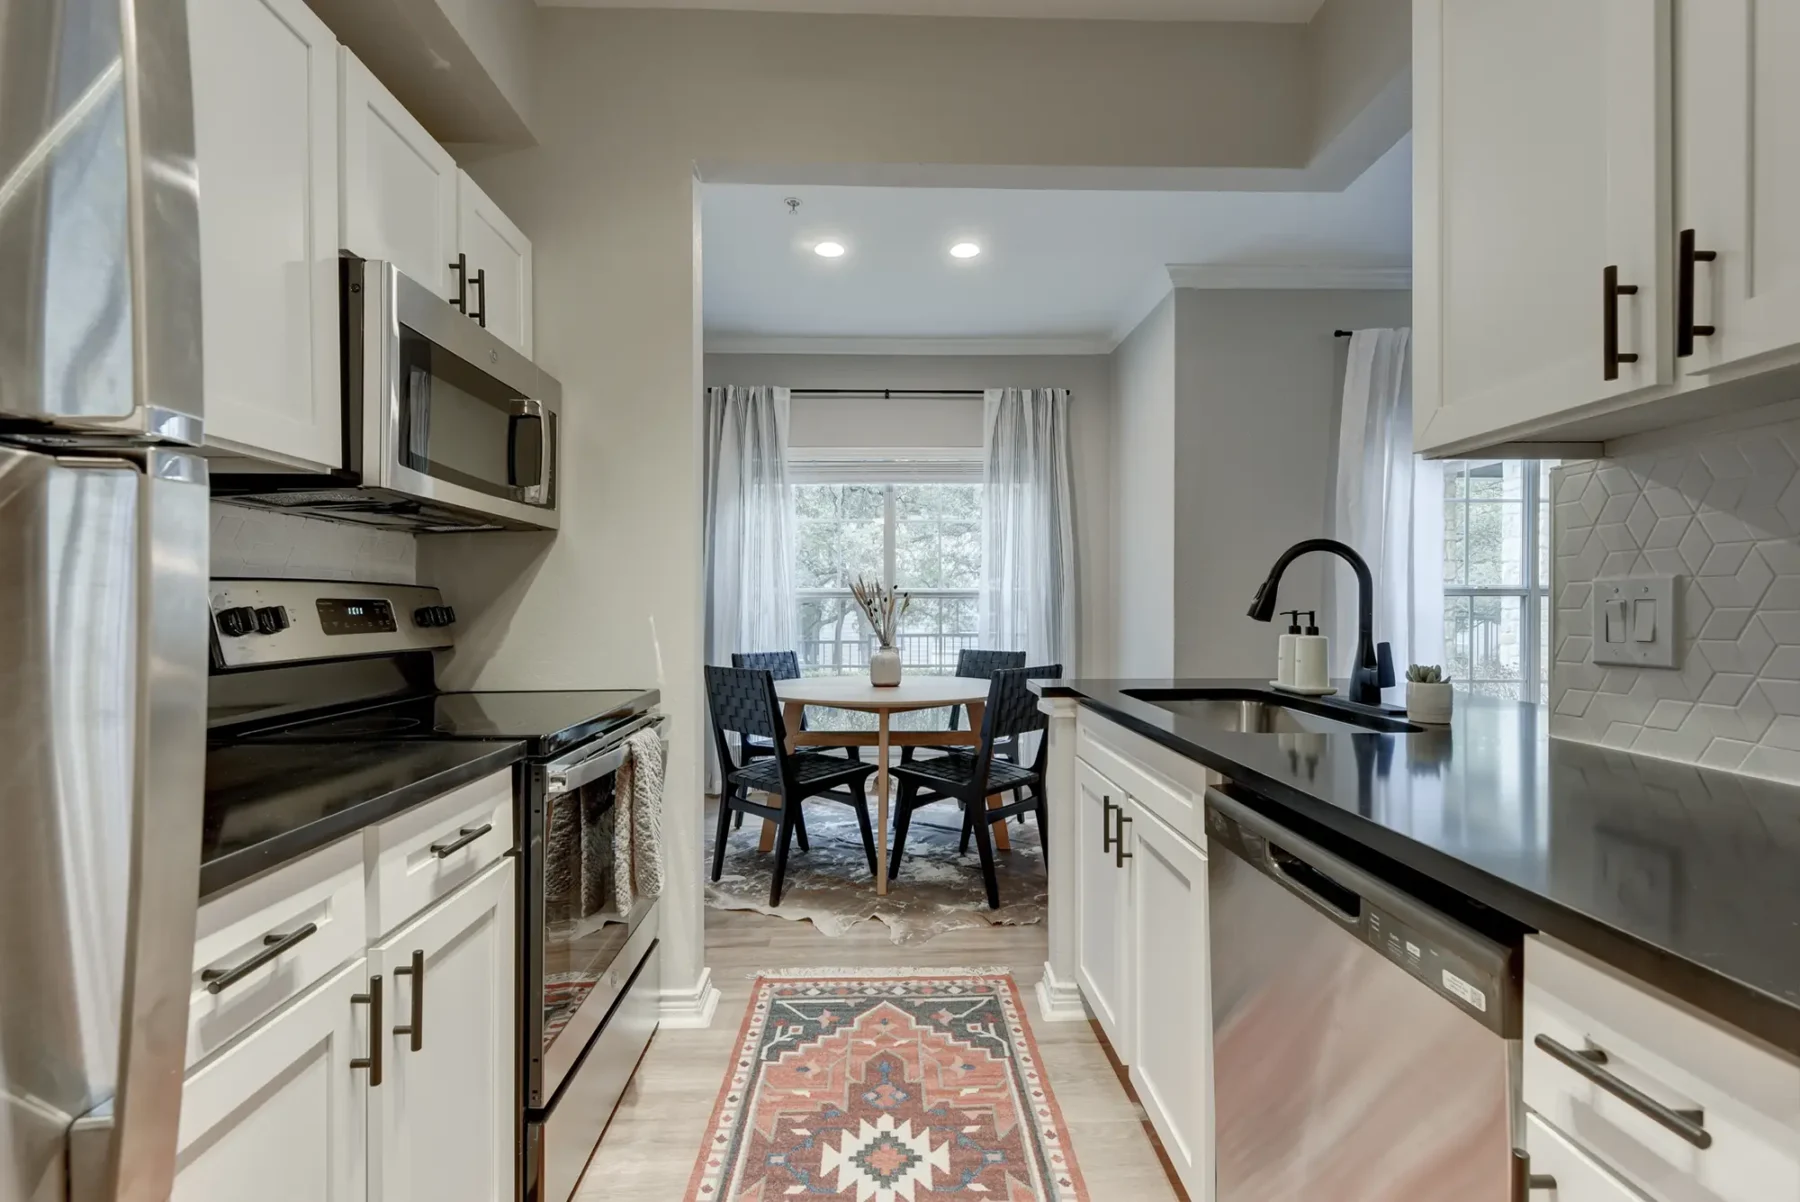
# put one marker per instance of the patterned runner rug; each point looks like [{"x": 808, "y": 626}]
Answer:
[{"x": 897, "y": 1087}]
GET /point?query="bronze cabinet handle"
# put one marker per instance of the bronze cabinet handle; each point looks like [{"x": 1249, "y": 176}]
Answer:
[
  {"x": 1611, "y": 291},
  {"x": 461, "y": 268},
  {"x": 416, "y": 1027},
  {"x": 1591, "y": 1064},
  {"x": 1107, "y": 838},
  {"x": 464, "y": 837},
  {"x": 218, "y": 980},
  {"x": 1685, "y": 329},
  {"x": 1120, "y": 855},
  {"x": 480, "y": 315},
  {"x": 372, "y": 1061}
]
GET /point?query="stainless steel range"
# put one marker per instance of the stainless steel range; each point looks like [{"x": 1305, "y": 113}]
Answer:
[{"x": 343, "y": 663}]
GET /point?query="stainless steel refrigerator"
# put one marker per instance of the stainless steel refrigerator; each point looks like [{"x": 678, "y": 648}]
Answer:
[{"x": 103, "y": 568}]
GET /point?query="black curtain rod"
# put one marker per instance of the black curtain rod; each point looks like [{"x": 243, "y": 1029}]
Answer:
[
  {"x": 887, "y": 393},
  {"x": 1342, "y": 333}
]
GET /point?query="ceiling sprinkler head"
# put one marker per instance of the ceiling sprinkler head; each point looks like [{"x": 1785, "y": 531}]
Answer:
[{"x": 793, "y": 204}]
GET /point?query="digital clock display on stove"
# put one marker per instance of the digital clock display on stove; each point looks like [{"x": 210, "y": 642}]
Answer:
[{"x": 356, "y": 615}]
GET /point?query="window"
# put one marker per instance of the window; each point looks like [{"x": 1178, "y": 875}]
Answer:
[
  {"x": 1497, "y": 576},
  {"x": 924, "y": 538}
]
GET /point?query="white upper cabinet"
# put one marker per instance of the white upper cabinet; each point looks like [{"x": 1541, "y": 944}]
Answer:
[
  {"x": 1738, "y": 190},
  {"x": 1541, "y": 171},
  {"x": 499, "y": 266},
  {"x": 399, "y": 186},
  {"x": 266, "y": 132}
]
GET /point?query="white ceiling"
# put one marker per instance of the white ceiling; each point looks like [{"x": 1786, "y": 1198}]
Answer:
[
  {"x": 1072, "y": 266},
  {"x": 1117, "y": 10}
]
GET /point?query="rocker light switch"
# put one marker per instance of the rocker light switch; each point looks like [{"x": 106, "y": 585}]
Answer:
[{"x": 1634, "y": 621}]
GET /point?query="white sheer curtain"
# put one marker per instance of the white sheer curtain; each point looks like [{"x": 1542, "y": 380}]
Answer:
[
  {"x": 1028, "y": 561},
  {"x": 749, "y": 527},
  {"x": 1389, "y": 507}
]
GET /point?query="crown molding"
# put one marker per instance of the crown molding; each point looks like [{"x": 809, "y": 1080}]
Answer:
[
  {"x": 758, "y": 344},
  {"x": 1298, "y": 276}
]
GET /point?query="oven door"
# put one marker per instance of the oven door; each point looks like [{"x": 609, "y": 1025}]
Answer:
[
  {"x": 581, "y": 945},
  {"x": 447, "y": 411}
]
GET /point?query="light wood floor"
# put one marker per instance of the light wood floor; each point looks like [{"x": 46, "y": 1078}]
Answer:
[{"x": 649, "y": 1151}]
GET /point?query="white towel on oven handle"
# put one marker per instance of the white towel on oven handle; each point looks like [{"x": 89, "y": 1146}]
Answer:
[{"x": 637, "y": 821}]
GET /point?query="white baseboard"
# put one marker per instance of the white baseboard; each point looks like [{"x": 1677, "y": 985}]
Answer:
[
  {"x": 691, "y": 1008},
  {"x": 1059, "y": 999}
]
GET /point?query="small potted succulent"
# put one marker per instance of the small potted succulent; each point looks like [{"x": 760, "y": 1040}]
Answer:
[{"x": 1428, "y": 695}]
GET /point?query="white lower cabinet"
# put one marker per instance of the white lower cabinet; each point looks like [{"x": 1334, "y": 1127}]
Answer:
[
  {"x": 1141, "y": 960},
  {"x": 441, "y": 1122},
  {"x": 1171, "y": 994},
  {"x": 279, "y": 1116},
  {"x": 1564, "y": 1173},
  {"x": 1102, "y": 966}
]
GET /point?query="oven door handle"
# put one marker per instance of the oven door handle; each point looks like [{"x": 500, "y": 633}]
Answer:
[{"x": 566, "y": 776}]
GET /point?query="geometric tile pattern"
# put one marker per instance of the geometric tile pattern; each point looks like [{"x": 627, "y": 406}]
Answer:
[
  {"x": 1723, "y": 516},
  {"x": 891, "y": 1088},
  {"x": 256, "y": 542}
]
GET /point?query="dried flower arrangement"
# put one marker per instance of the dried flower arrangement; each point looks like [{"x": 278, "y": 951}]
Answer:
[{"x": 882, "y": 607}]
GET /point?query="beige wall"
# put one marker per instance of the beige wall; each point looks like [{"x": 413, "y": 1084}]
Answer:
[
  {"x": 1259, "y": 379},
  {"x": 915, "y": 422},
  {"x": 1144, "y": 466},
  {"x": 628, "y": 103}
]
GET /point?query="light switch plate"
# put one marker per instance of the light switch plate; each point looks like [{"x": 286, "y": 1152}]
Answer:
[{"x": 1645, "y": 637}]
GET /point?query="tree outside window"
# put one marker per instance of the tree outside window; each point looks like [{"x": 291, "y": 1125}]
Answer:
[{"x": 1497, "y": 576}]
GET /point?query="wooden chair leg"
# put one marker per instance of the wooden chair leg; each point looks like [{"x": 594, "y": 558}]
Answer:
[
  {"x": 781, "y": 851},
  {"x": 737, "y": 821},
  {"x": 1001, "y": 839},
  {"x": 984, "y": 842},
  {"x": 861, "y": 806},
  {"x": 724, "y": 833},
  {"x": 968, "y": 828}
]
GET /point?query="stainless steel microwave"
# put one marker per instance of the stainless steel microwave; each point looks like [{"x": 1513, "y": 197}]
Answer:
[{"x": 446, "y": 427}]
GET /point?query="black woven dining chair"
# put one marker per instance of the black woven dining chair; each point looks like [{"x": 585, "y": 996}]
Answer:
[
  {"x": 971, "y": 777},
  {"x": 781, "y": 665},
  {"x": 743, "y": 703},
  {"x": 973, "y": 663}
]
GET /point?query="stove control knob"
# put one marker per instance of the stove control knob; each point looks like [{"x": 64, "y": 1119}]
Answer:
[
  {"x": 237, "y": 621},
  {"x": 425, "y": 616},
  {"x": 271, "y": 619},
  {"x": 449, "y": 615}
]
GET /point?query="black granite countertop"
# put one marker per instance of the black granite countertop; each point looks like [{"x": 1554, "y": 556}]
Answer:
[
  {"x": 269, "y": 802},
  {"x": 1684, "y": 877}
]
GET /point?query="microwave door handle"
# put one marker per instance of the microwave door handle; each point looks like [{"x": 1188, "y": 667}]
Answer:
[{"x": 524, "y": 410}]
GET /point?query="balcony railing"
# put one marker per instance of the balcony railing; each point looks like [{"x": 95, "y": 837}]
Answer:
[{"x": 930, "y": 652}]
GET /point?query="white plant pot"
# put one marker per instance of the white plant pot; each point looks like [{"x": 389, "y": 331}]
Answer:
[
  {"x": 1430, "y": 703},
  {"x": 884, "y": 668}
]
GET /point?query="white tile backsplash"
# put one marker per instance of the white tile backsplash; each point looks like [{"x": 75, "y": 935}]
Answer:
[
  {"x": 1722, "y": 514},
  {"x": 258, "y": 542}
]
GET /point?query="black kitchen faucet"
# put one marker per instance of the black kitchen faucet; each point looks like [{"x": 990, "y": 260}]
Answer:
[{"x": 1373, "y": 670}]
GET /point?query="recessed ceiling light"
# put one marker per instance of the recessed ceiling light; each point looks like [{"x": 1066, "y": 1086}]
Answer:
[
  {"x": 966, "y": 250},
  {"x": 829, "y": 250}
]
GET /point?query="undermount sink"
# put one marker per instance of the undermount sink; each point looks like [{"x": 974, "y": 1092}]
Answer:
[{"x": 1246, "y": 711}]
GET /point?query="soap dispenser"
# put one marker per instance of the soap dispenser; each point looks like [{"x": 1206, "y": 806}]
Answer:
[
  {"x": 1312, "y": 660},
  {"x": 1284, "y": 655}
]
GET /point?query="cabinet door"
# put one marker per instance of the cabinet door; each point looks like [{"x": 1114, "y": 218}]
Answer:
[
  {"x": 266, "y": 136},
  {"x": 1578, "y": 1176},
  {"x": 1541, "y": 157},
  {"x": 280, "y": 1115},
  {"x": 443, "y": 1118},
  {"x": 1739, "y": 189},
  {"x": 399, "y": 188},
  {"x": 1103, "y": 888},
  {"x": 1172, "y": 996},
  {"x": 495, "y": 246}
]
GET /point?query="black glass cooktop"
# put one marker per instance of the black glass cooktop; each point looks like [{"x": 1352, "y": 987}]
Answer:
[{"x": 547, "y": 722}]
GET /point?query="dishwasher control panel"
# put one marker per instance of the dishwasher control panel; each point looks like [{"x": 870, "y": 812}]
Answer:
[{"x": 1474, "y": 988}]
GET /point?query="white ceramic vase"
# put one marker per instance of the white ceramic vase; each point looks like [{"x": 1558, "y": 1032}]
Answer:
[
  {"x": 884, "y": 668},
  {"x": 1430, "y": 703}
]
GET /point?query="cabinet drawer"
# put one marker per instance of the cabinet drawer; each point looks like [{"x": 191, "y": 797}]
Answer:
[
  {"x": 423, "y": 855},
  {"x": 1578, "y": 1177},
  {"x": 1747, "y": 1097},
  {"x": 258, "y": 937},
  {"x": 1166, "y": 783}
]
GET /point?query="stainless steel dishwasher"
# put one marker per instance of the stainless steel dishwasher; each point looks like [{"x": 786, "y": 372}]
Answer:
[{"x": 1365, "y": 1046}]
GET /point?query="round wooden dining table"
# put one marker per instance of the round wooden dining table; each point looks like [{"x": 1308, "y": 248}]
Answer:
[{"x": 856, "y": 693}]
